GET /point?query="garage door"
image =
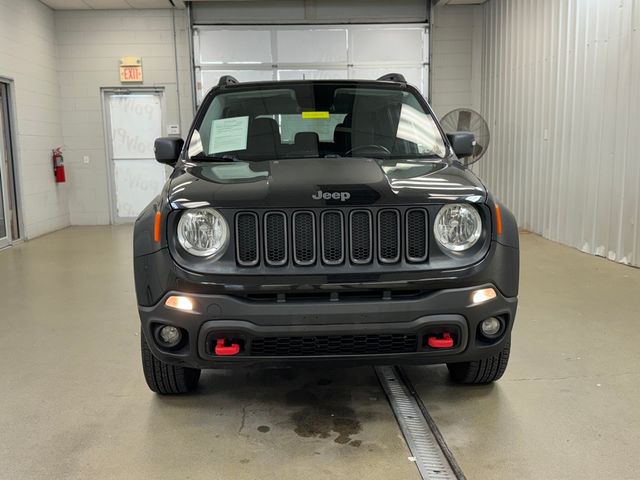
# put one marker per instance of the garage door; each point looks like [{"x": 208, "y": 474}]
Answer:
[{"x": 303, "y": 52}]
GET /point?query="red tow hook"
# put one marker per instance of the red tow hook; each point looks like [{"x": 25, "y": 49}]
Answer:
[
  {"x": 445, "y": 342},
  {"x": 223, "y": 350}
]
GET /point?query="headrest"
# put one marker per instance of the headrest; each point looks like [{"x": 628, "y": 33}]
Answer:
[
  {"x": 264, "y": 137},
  {"x": 343, "y": 101},
  {"x": 342, "y": 132},
  {"x": 306, "y": 141},
  {"x": 264, "y": 126}
]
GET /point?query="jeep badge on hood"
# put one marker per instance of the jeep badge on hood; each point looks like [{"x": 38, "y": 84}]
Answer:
[{"x": 342, "y": 196}]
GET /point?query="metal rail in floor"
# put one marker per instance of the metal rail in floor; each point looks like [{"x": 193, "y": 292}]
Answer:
[{"x": 433, "y": 458}]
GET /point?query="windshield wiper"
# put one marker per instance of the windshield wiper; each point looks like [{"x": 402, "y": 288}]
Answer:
[
  {"x": 215, "y": 158},
  {"x": 422, "y": 156}
]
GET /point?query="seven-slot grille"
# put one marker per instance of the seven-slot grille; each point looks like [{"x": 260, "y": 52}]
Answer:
[{"x": 331, "y": 237}]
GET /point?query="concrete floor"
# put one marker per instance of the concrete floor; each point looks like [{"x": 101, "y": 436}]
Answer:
[
  {"x": 568, "y": 406},
  {"x": 74, "y": 403}
]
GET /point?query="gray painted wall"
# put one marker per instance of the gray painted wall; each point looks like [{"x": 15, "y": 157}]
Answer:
[
  {"x": 28, "y": 57},
  {"x": 561, "y": 94},
  {"x": 456, "y": 57}
]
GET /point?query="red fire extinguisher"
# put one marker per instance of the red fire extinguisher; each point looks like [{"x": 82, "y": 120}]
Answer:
[{"x": 58, "y": 165}]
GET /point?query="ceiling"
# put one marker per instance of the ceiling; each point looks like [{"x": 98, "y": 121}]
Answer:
[{"x": 109, "y": 4}]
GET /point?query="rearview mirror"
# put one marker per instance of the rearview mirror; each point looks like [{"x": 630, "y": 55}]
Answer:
[
  {"x": 462, "y": 143},
  {"x": 167, "y": 149}
]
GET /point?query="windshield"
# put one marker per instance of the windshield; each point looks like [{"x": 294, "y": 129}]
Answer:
[{"x": 314, "y": 120}]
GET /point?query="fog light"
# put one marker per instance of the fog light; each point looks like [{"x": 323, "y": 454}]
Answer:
[
  {"x": 491, "y": 327},
  {"x": 170, "y": 336},
  {"x": 483, "y": 295},
  {"x": 180, "y": 303}
]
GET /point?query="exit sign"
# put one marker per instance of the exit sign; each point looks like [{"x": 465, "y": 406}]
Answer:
[{"x": 130, "y": 69}]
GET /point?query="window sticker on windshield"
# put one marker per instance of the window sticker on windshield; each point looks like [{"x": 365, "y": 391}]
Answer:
[
  {"x": 311, "y": 115},
  {"x": 229, "y": 134}
]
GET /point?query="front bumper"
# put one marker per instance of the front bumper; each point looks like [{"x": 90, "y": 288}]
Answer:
[{"x": 227, "y": 316}]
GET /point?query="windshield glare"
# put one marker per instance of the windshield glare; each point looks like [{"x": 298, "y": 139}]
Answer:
[{"x": 313, "y": 121}]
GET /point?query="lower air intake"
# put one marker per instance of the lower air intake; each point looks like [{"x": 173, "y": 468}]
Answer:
[{"x": 303, "y": 346}]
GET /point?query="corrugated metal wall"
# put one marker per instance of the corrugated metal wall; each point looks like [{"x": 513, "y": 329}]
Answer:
[{"x": 561, "y": 93}]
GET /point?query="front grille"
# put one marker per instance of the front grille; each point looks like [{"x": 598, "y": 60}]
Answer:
[
  {"x": 275, "y": 238},
  {"x": 357, "y": 237},
  {"x": 361, "y": 236},
  {"x": 332, "y": 237},
  {"x": 301, "y": 346},
  {"x": 247, "y": 234},
  {"x": 389, "y": 235},
  {"x": 417, "y": 226},
  {"x": 304, "y": 238}
]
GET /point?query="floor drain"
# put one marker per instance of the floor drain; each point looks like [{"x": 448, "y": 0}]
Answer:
[{"x": 432, "y": 457}]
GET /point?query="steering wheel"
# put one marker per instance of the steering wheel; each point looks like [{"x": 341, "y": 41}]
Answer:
[{"x": 372, "y": 146}]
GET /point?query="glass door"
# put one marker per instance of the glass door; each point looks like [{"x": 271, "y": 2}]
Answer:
[{"x": 134, "y": 121}]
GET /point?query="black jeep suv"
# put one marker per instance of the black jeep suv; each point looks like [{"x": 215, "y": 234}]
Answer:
[{"x": 322, "y": 221}]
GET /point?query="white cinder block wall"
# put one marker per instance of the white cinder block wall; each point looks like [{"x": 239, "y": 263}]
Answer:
[
  {"x": 28, "y": 58},
  {"x": 90, "y": 45}
]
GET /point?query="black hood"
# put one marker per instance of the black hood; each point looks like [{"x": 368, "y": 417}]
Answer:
[{"x": 313, "y": 182}]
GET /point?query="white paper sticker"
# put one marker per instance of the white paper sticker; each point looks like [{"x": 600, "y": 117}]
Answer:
[{"x": 229, "y": 134}]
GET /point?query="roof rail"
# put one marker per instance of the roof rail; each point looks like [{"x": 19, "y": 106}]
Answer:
[
  {"x": 393, "y": 77},
  {"x": 227, "y": 80}
]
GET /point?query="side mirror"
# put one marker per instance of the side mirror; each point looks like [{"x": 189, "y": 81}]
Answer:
[
  {"x": 168, "y": 149},
  {"x": 463, "y": 143}
]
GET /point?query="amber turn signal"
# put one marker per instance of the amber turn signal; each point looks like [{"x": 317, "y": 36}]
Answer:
[
  {"x": 156, "y": 227},
  {"x": 498, "y": 220}
]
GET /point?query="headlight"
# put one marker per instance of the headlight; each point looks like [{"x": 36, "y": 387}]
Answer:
[
  {"x": 203, "y": 232},
  {"x": 457, "y": 227}
]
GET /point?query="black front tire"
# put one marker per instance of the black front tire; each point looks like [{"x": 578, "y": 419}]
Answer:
[
  {"x": 164, "y": 378},
  {"x": 482, "y": 371}
]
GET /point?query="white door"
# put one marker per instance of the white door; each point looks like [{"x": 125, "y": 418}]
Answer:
[
  {"x": 134, "y": 121},
  {"x": 5, "y": 230}
]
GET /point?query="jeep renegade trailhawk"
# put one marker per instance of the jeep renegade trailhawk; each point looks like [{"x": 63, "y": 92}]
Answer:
[{"x": 322, "y": 221}]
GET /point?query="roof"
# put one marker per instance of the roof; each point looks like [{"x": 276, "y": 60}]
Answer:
[{"x": 392, "y": 78}]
